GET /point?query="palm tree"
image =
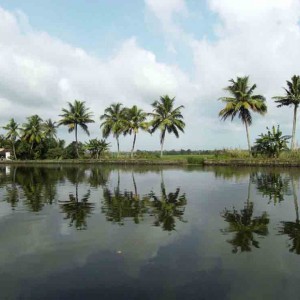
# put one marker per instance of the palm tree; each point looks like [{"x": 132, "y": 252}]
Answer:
[
  {"x": 114, "y": 120},
  {"x": 50, "y": 129},
  {"x": 33, "y": 132},
  {"x": 77, "y": 115},
  {"x": 166, "y": 118},
  {"x": 292, "y": 97},
  {"x": 241, "y": 101},
  {"x": 135, "y": 119},
  {"x": 12, "y": 133}
]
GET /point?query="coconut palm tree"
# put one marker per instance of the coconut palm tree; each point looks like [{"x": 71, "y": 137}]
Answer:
[
  {"x": 12, "y": 133},
  {"x": 77, "y": 115},
  {"x": 241, "y": 101},
  {"x": 166, "y": 118},
  {"x": 113, "y": 122},
  {"x": 135, "y": 119},
  {"x": 32, "y": 131},
  {"x": 291, "y": 98},
  {"x": 50, "y": 129}
]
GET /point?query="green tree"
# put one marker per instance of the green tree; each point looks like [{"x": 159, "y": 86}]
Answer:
[
  {"x": 166, "y": 118},
  {"x": 271, "y": 143},
  {"x": 77, "y": 115},
  {"x": 96, "y": 147},
  {"x": 50, "y": 129},
  {"x": 113, "y": 122},
  {"x": 135, "y": 119},
  {"x": 32, "y": 131},
  {"x": 12, "y": 133},
  {"x": 291, "y": 98},
  {"x": 241, "y": 102}
]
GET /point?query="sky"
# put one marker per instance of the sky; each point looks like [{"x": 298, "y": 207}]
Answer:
[{"x": 133, "y": 52}]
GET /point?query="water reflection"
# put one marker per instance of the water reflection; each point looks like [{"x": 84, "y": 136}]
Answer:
[
  {"x": 77, "y": 211},
  {"x": 165, "y": 208},
  {"x": 272, "y": 185},
  {"x": 290, "y": 228},
  {"x": 35, "y": 187},
  {"x": 120, "y": 205},
  {"x": 245, "y": 226}
]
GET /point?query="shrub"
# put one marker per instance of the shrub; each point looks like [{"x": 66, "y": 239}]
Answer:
[{"x": 194, "y": 160}]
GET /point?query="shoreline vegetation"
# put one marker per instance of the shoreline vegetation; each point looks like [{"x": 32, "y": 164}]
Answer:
[{"x": 171, "y": 160}]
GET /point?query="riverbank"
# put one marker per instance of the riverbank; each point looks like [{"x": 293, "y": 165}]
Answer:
[
  {"x": 252, "y": 162},
  {"x": 169, "y": 161}
]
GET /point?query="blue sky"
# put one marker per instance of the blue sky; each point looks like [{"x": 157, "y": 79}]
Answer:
[{"x": 133, "y": 51}]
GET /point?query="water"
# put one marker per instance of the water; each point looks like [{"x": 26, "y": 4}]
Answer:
[{"x": 149, "y": 233}]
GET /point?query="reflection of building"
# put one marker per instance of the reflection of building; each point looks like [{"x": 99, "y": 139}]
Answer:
[{"x": 4, "y": 153}]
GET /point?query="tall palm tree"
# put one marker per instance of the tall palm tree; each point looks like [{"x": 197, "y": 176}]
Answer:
[
  {"x": 166, "y": 118},
  {"x": 32, "y": 131},
  {"x": 113, "y": 122},
  {"x": 135, "y": 119},
  {"x": 12, "y": 133},
  {"x": 77, "y": 115},
  {"x": 292, "y": 98},
  {"x": 241, "y": 101}
]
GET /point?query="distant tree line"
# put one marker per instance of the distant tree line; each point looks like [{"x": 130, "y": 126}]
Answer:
[{"x": 37, "y": 138}]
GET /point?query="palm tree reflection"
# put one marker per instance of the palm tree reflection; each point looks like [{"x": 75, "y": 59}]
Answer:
[
  {"x": 245, "y": 226},
  {"x": 77, "y": 211},
  {"x": 272, "y": 185},
  {"x": 292, "y": 229},
  {"x": 119, "y": 206},
  {"x": 167, "y": 208}
]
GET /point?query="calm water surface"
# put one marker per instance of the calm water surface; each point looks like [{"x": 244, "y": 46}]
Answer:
[{"x": 149, "y": 233}]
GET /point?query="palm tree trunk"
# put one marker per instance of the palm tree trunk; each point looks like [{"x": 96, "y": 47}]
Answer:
[
  {"x": 162, "y": 139},
  {"x": 134, "y": 138},
  {"x": 248, "y": 138},
  {"x": 294, "y": 128},
  {"x": 76, "y": 141},
  {"x": 117, "y": 138},
  {"x": 14, "y": 150}
]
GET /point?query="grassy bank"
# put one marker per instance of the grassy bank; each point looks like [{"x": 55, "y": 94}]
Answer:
[{"x": 224, "y": 158}]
